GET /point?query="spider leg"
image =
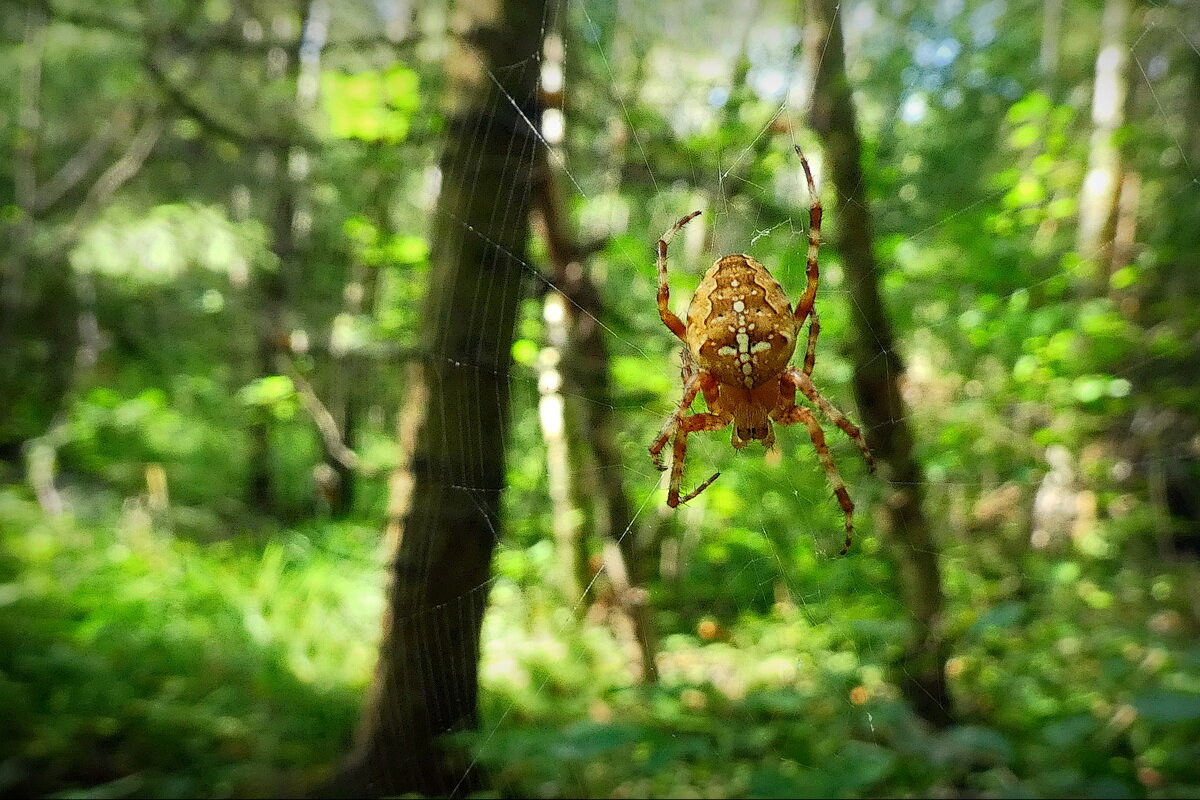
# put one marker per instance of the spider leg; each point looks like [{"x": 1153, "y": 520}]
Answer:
[
  {"x": 694, "y": 382},
  {"x": 803, "y": 382},
  {"x": 691, "y": 388},
  {"x": 804, "y": 305},
  {"x": 796, "y": 414},
  {"x": 690, "y": 495},
  {"x": 691, "y": 424},
  {"x": 814, "y": 330},
  {"x": 664, "y": 292}
]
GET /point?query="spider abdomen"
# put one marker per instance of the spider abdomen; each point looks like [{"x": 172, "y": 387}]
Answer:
[{"x": 740, "y": 326}]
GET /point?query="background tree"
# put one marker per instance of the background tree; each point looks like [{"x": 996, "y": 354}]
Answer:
[
  {"x": 447, "y": 514},
  {"x": 878, "y": 371}
]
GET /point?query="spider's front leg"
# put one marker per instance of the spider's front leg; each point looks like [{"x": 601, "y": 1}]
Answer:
[
  {"x": 664, "y": 291},
  {"x": 810, "y": 352},
  {"x": 691, "y": 388},
  {"x": 805, "y": 305},
  {"x": 694, "y": 423}
]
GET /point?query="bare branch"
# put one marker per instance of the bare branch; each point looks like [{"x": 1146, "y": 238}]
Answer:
[
  {"x": 322, "y": 418},
  {"x": 228, "y": 38},
  {"x": 194, "y": 109},
  {"x": 79, "y": 165},
  {"x": 29, "y": 114},
  {"x": 122, "y": 170}
]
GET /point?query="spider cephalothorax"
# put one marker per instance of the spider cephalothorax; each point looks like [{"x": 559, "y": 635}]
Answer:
[{"x": 740, "y": 335}]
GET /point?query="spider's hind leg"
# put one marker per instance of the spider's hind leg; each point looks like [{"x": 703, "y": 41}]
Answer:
[
  {"x": 801, "y": 414},
  {"x": 681, "y": 500},
  {"x": 804, "y": 383}
]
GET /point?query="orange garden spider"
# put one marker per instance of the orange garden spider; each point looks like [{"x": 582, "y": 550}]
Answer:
[{"x": 740, "y": 335}]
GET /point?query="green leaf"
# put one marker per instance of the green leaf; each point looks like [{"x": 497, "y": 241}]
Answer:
[
  {"x": 1004, "y": 615},
  {"x": 408, "y": 249},
  {"x": 373, "y": 106},
  {"x": 267, "y": 391},
  {"x": 981, "y": 743},
  {"x": 1089, "y": 388},
  {"x": 1168, "y": 706}
]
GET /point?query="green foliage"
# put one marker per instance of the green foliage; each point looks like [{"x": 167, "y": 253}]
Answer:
[
  {"x": 158, "y": 245},
  {"x": 276, "y": 393},
  {"x": 228, "y": 668},
  {"x": 139, "y": 664},
  {"x": 375, "y": 106},
  {"x": 791, "y": 702},
  {"x": 170, "y": 633}
]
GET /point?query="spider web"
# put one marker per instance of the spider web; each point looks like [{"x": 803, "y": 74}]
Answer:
[{"x": 527, "y": 646}]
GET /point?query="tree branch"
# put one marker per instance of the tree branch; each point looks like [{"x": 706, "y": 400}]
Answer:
[
  {"x": 327, "y": 426},
  {"x": 194, "y": 109},
  {"x": 122, "y": 170},
  {"x": 29, "y": 112},
  {"x": 227, "y": 39},
  {"x": 79, "y": 165}
]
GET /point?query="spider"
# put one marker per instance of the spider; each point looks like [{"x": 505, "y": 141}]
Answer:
[{"x": 740, "y": 335}]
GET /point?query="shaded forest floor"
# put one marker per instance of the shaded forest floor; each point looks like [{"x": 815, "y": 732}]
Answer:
[{"x": 137, "y": 662}]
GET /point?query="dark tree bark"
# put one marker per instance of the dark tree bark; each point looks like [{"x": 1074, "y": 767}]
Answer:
[
  {"x": 273, "y": 286},
  {"x": 446, "y": 500},
  {"x": 877, "y": 370},
  {"x": 272, "y": 342}
]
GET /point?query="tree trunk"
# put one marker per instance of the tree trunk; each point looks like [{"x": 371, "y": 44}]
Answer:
[
  {"x": 272, "y": 342},
  {"x": 1099, "y": 199},
  {"x": 1190, "y": 66},
  {"x": 446, "y": 500},
  {"x": 1048, "y": 55},
  {"x": 585, "y": 374},
  {"x": 48, "y": 334},
  {"x": 38, "y": 303},
  {"x": 569, "y": 573},
  {"x": 877, "y": 369},
  {"x": 346, "y": 367}
]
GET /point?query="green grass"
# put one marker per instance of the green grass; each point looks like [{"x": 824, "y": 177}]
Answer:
[
  {"x": 134, "y": 662},
  {"x": 161, "y": 667}
]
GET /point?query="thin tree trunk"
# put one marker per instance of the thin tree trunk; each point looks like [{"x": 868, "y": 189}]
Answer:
[
  {"x": 272, "y": 337},
  {"x": 25, "y": 153},
  {"x": 585, "y": 373},
  {"x": 567, "y": 524},
  {"x": 346, "y": 368},
  {"x": 48, "y": 333},
  {"x": 15, "y": 238},
  {"x": 301, "y": 70},
  {"x": 446, "y": 502},
  {"x": 38, "y": 303},
  {"x": 272, "y": 343},
  {"x": 1052, "y": 18},
  {"x": 877, "y": 370},
  {"x": 1100, "y": 194},
  {"x": 1189, "y": 59},
  {"x": 350, "y": 367}
]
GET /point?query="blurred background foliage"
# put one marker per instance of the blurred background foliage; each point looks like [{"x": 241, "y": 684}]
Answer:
[{"x": 214, "y": 224}]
